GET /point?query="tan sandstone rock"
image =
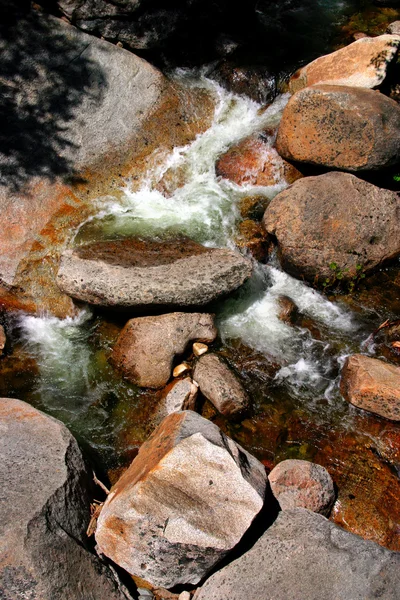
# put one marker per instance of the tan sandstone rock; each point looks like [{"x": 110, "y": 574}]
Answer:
[
  {"x": 302, "y": 484},
  {"x": 353, "y": 129},
  {"x": 361, "y": 64},
  {"x": 146, "y": 348},
  {"x": 372, "y": 385},
  {"x": 185, "y": 501},
  {"x": 219, "y": 385}
]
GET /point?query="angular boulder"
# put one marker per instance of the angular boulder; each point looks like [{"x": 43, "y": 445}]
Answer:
[
  {"x": 372, "y": 385},
  {"x": 342, "y": 127},
  {"x": 302, "y": 484},
  {"x": 183, "y": 504},
  {"x": 334, "y": 227},
  {"x": 220, "y": 385},
  {"x": 363, "y": 63},
  {"x": 305, "y": 556},
  {"x": 146, "y": 347},
  {"x": 254, "y": 162},
  {"x": 44, "y": 513},
  {"x": 132, "y": 272},
  {"x": 394, "y": 28}
]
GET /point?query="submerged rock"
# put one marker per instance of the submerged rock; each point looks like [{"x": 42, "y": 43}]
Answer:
[
  {"x": 288, "y": 310},
  {"x": 146, "y": 348},
  {"x": 361, "y": 64},
  {"x": 254, "y": 162},
  {"x": 183, "y": 504},
  {"x": 302, "y": 484},
  {"x": 220, "y": 386},
  {"x": 44, "y": 512},
  {"x": 342, "y": 127},
  {"x": 305, "y": 556},
  {"x": 372, "y": 385},
  {"x": 334, "y": 227},
  {"x": 134, "y": 272}
]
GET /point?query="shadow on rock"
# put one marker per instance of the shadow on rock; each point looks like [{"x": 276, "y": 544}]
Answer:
[{"x": 44, "y": 78}]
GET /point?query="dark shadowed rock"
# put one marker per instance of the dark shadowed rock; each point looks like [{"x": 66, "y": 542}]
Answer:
[
  {"x": 142, "y": 273},
  {"x": 302, "y": 484},
  {"x": 44, "y": 513},
  {"x": 361, "y": 64},
  {"x": 373, "y": 385},
  {"x": 185, "y": 501},
  {"x": 305, "y": 556},
  {"x": 219, "y": 385},
  {"x": 334, "y": 227},
  {"x": 347, "y": 128},
  {"x": 146, "y": 348}
]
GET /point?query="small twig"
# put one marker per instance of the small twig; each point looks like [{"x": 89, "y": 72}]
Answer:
[{"x": 100, "y": 484}]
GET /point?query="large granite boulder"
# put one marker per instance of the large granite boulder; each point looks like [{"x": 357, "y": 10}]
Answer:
[
  {"x": 132, "y": 272},
  {"x": 342, "y": 127},
  {"x": 305, "y": 556},
  {"x": 147, "y": 346},
  {"x": 363, "y": 63},
  {"x": 372, "y": 385},
  {"x": 220, "y": 386},
  {"x": 44, "y": 513},
  {"x": 78, "y": 115},
  {"x": 334, "y": 227},
  {"x": 183, "y": 504},
  {"x": 300, "y": 483}
]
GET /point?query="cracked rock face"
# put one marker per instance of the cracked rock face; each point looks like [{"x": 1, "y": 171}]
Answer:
[
  {"x": 134, "y": 272},
  {"x": 305, "y": 556},
  {"x": 341, "y": 127},
  {"x": 44, "y": 513},
  {"x": 183, "y": 504},
  {"x": 334, "y": 223}
]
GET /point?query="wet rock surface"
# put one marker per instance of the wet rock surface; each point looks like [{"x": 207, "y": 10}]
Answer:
[
  {"x": 220, "y": 386},
  {"x": 372, "y": 385},
  {"x": 334, "y": 228},
  {"x": 254, "y": 162},
  {"x": 45, "y": 512},
  {"x": 146, "y": 348},
  {"x": 185, "y": 501},
  {"x": 279, "y": 565},
  {"x": 341, "y": 127},
  {"x": 361, "y": 64},
  {"x": 302, "y": 484},
  {"x": 141, "y": 273}
]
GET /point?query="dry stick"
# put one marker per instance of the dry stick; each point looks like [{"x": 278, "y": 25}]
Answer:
[
  {"x": 383, "y": 325},
  {"x": 99, "y": 483}
]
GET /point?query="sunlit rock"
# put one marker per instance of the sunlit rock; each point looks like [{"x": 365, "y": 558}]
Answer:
[
  {"x": 353, "y": 129},
  {"x": 334, "y": 228},
  {"x": 220, "y": 385},
  {"x": 180, "y": 369},
  {"x": 199, "y": 348},
  {"x": 178, "y": 395},
  {"x": 305, "y": 556},
  {"x": 361, "y": 64},
  {"x": 302, "y": 484},
  {"x": 146, "y": 348},
  {"x": 372, "y": 385},
  {"x": 136, "y": 272},
  {"x": 44, "y": 512},
  {"x": 183, "y": 504}
]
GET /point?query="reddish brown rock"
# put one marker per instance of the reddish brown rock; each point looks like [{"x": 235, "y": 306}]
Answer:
[
  {"x": 146, "y": 348},
  {"x": 288, "y": 311},
  {"x": 253, "y": 237},
  {"x": 185, "y": 501},
  {"x": 334, "y": 228},
  {"x": 342, "y": 127},
  {"x": 254, "y": 162},
  {"x": 219, "y": 385},
  {"x": 361, "y": 64},
  {"x": 302, "y": 484},
  {"x": 372, "y": 385}
]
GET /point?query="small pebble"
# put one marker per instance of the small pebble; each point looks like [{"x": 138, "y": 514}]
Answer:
[
  {"x": 145, "y": 594},
  {"x": 182, "y": 368},
  {"x": 199, "y": 349}
]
